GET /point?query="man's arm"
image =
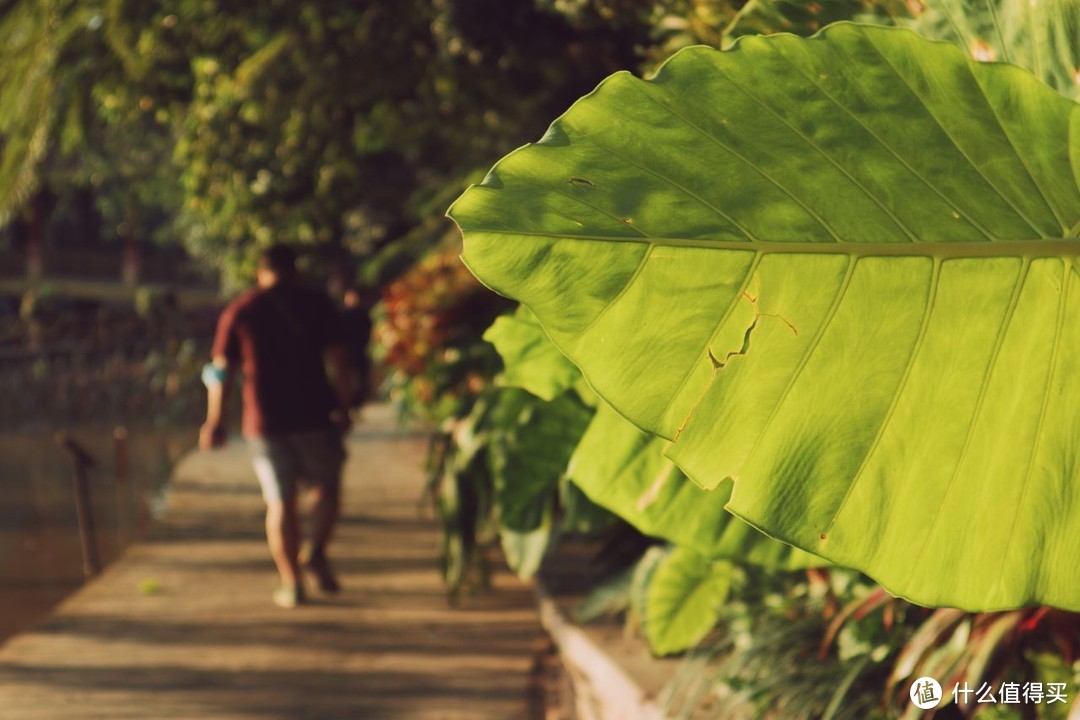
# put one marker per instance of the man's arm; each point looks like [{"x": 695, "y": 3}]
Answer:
[{"x": 218, "y": 377}]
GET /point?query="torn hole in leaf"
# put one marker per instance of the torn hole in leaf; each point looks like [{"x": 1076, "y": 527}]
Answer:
[{"x": 719, "y": 363}]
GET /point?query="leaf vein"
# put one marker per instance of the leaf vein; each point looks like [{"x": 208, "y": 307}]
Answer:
[
  {"x": 931, "y": 300},
  {"x": 1037, "y": 444},
  {"x": 666, "y": 178},
  {"x": 708, "y": 341},
  {"x": 1066, "y": 247},
  {"x": 899, "y": 157},
  {"x": 1012, "y": 145},
  {"x": 810, "y": 349},
  {"x": 965, "y": 155},
  {"x": 760, "y": 171},
  {"x": 581, "y": 201},
  {"x": 618, "y": 296},
  {"x": 809, "y": 141},
  {"x": 999, "y": 342}
]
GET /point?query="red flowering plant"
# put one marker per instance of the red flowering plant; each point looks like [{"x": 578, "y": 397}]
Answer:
[{"x": 427, "y": 334}]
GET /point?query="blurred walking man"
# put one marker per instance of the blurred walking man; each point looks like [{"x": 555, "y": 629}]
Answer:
[{"x": 281, "y": 335}]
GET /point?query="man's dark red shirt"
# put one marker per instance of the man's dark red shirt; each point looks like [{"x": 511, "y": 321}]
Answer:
[{"x": 276, "y": 336}]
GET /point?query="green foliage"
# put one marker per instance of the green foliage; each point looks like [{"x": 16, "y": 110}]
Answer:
[
  {"x": 335, "y": 125},
  {"x": 682, "y": 601},
  {"x": 531, "y": 444},
  {"x": 830, "y": 669},
  {"x": 278, "y": 137},
  {"x": 676, "y": 593},
  {"x": 794, "y": 16},
  {"x": 1038, "y": 36},
  {"x": 609, "y": 597},
  {"x": 498, "y": 473},
  {"x": 531, "y": 360},
  {"x": 44, "y": 101},
  {"x": 839, "y": 647},
  {"x": 461, "y": 491},
  {"x": 69, "y": 117},
  {"x": 845, "y": 290},
  {"x": 766, "y": 659},
  {"x": 777, "y": 675},
  {"x": 24, "y": 124},
  {"x": 1019, "y": 646},
  {"x": 625, "y": 470}
]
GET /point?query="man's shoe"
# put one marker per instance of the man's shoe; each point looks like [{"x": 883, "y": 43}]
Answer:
[
  {"x": 288, "y": 596},
  {"x": 320, "y": 567}
]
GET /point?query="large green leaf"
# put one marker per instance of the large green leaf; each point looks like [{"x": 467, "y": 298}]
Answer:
[
  {"x": 531, "y": 361},
  {"x": 531, "y": 443},
  {"x": 625, "y": 470},
  {"x": 839, "y": 271},
  {"x": 683, "y": 599}
]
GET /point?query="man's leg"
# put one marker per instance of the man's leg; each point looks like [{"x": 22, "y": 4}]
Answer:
[
  {"x": 283, "y": 537},
  {"x": 324, "y": 519},
  {"x": 323, "y": 463},
  {"x": 275, "y": 467},
  {"x": 325, "y": 513}
]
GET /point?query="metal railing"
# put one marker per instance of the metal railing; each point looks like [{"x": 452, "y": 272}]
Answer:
[{"x": 127, "y": 486}]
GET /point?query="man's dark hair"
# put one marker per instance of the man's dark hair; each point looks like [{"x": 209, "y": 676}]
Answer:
[{"x": 280, "y": 259}]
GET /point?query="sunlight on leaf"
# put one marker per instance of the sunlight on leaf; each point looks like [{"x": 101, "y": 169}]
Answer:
[{"x": 876, "y": 236}]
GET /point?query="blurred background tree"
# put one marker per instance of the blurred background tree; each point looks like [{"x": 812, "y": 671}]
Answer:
[
  {"x": 347, "y": 127},
  {"x": 342, "y": 127}
]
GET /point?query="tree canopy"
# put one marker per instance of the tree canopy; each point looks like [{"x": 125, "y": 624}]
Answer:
[{"x": 346, "y": 126}]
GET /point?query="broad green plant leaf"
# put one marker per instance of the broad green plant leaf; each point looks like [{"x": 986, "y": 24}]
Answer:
[
  {"x": 531, "y": 360},
  {"x": 683, "y": 599},
  {"x": 625, "y": 470},
  {"x": 531, "y": 443},
  {"x": 840, "y": 271}
]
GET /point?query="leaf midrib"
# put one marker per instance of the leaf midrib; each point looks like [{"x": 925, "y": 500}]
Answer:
[{"x": 1036, "y": 247}]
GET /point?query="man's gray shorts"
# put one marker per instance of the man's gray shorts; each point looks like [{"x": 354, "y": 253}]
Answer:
[{"x": 281, "y": 462}]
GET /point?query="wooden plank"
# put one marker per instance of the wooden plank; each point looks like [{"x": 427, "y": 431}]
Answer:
[{"x": 201, "y": 639}]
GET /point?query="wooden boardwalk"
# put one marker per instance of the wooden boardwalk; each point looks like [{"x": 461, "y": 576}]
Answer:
[{"x": 207, "y": 643}]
